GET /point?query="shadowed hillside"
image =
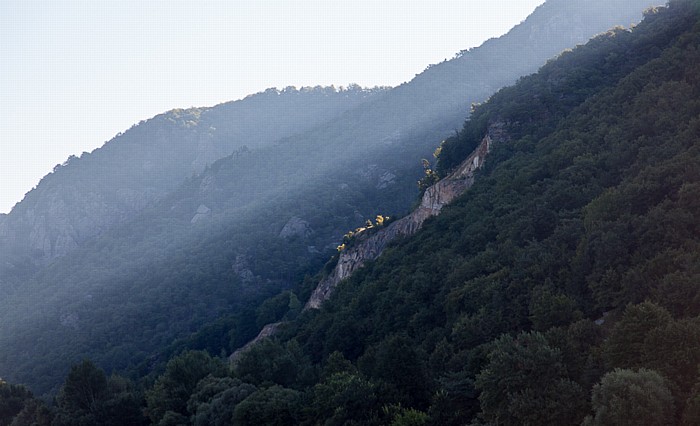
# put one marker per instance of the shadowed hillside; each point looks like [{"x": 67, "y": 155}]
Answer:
[{"x": 189, "y": 265}]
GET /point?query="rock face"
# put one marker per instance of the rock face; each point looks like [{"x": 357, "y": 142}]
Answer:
[
  {"x": 241, "y": 267},
  {"x": 295, "y": 227},
  {"x": 89, "y": 194},
  {"x": 370, "y": 247},
  {"x": 386, "y": 179},
  {"x": 266, "y": 332},
  {"x": 434, "y": 199},
  {"x": 55, "y": 223},
  {"x": 203, "y": 213}
]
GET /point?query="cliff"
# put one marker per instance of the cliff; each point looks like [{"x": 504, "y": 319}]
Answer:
[
  {"x": 371, "y": 247},
  {"x": 266, "y": 332},
  {"x": 434, "y": 199}
]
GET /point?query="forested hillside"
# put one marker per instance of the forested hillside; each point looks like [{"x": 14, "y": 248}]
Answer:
[
  {"x": 189, "y": 267},
  {"x": 91, "y": 192},
  {"x": 560, "y": 289}
]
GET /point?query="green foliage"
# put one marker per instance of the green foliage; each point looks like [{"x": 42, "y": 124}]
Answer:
[
  {"x": 525, "y": 383},
  {"x": 145, "y": 277},
  {"x": 674, "y": 351},
  {"x": 214, "y": 400},
  {"x": 624, "y": 347},
  {"x": 168, "y": 398},
  {"x": 574, "y": 253},
  {"x": 336, "y": 363},
  {"x": 580, "y": 220},
  {"x": 626, "y": 397},
  {"x": 396, "y": 362},
  {"x": 34, "y": 413},
  {"x": 85, "y": 385},
  {"x": 691, "y": 413},
  {"x": 549, "y": 310},
  {"x": 89, "y": 397},
  {"x": 343, "y": 398},
  {"x": 275, "y": 406},
  {"x": 12, "y": 400},
  {"x": 270, "y": 362},
  {"x": 430, "y": 176},
  {"x": 410, "y": 417},
  {"x": 275, "y": 308}
]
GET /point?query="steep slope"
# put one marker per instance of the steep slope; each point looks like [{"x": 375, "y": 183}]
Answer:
[
  {"x": 133, "y": 171},
  {"x": 85, "y": 196},
  {"x": 571, "y": 261},
  {"x": 368, "y": 247},
  {"x": 257, "y": 221}
]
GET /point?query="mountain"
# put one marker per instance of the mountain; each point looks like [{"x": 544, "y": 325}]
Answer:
[
  {"x": 188, "y": 267},
  {"x": 559, "y": 288},
  {"x": 133, "y": 171},
  {"x": 559, "y": 285},
  {"x": 85, "y": 196}
]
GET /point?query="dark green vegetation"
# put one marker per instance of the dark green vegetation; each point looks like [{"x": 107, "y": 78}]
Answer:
[
  {"x": 129, "y": 255},
  {"x": 588, "y": 211},
  {"x": 561, "y": 289}
]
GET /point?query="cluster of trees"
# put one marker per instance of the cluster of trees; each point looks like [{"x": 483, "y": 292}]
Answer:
[
  {"x": 150, "y": 283},
  {"x": 351, "y": 236},
  {"x": 561, "y": 289}
]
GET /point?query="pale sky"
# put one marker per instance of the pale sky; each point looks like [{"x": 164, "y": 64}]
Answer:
[{"x": 74, "y": 73}]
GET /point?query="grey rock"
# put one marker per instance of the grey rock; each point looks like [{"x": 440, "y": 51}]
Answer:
[
  {"x": 295, "y": 227},
  {"x": 267, "y": 331},
  {"x": 385, "y": 180},
  {"x": 203, "y": 212},
  {"x": 241, "y": 266},
  {"x": 434, "y": 199}
]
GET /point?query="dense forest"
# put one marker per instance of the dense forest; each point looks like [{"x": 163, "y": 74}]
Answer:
[
  {"x": 154, "y": 244},
  {"x": 562, "y": 288}
]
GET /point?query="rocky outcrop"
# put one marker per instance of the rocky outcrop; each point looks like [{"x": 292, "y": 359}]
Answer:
[
  {"x": 295, "y": 227},
  {"x": 241, "y": 266},
  {"x": 203, "y": 213},
  {"x": 266, "y": 332},
  {"x": 385, "y": 180},
  {"x": 371, "y": 246},
  {"x": 207, "y": 152},
  {"x": 53, "y": 223},
  {"x": 434, "y": 199}
]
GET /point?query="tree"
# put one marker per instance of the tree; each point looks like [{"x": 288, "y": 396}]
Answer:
[
  {"x": 410, "y": 417},
  {"x": 34, "y": 413},
  {"x": 174, "y": 387},
  {"x": 12, "y": 400},
  {"x": 549, "y": 310},
  {"x": 691, "y": 413},
  {"x": 624, "y": 347},
  {"x": 215, "y": 399},
  {"x": 88, "y": 397},
  {"x": 628, "y": 397},
  {"x": 524, "y": 382},
  {"x": 674, "y": 351},
  {"x": 275, "y": 406},
  {"x": 270, "y": 362},
  {"x": 398, "y": 363},
  {"x": 79, "y": 400},
  {"x": 344, "y": 398}
]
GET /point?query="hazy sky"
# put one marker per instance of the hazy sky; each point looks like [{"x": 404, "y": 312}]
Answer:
[{"x": 74, "y": 73}]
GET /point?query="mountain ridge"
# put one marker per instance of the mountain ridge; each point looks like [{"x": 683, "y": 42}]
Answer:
[{"x": 122, "y": 297}]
